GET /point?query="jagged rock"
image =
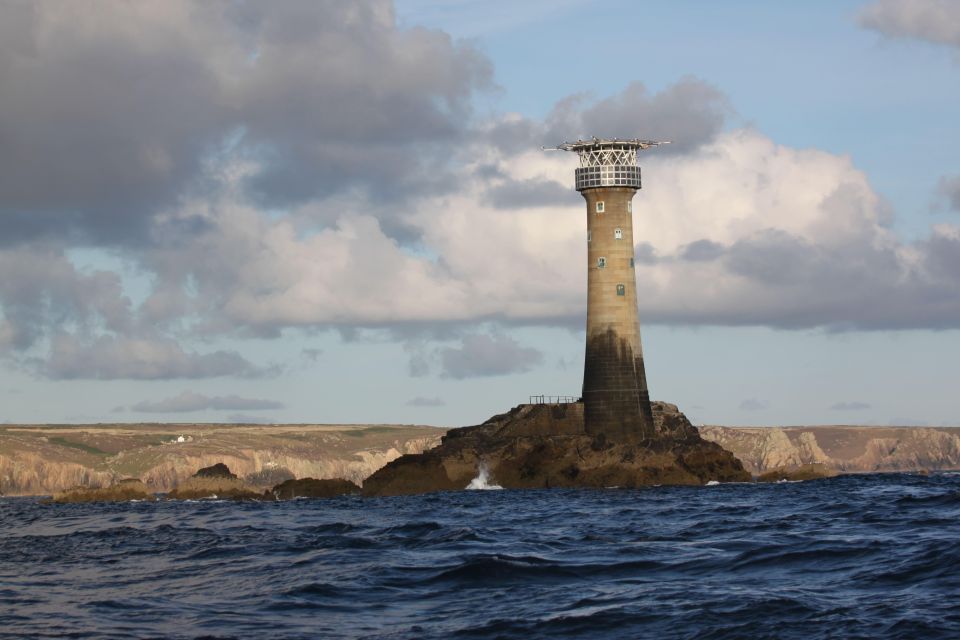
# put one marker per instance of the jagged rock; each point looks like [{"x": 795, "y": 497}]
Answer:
[
  {"x": 538, "y": 446},
  {"x": 123, "y": 491},
  {"x": 805, "y": 472},
  {"x": 220, "y": 487},
  {"x": 311, "y": 488},
  {"x": 269, "y": 477},
  {"x": 218, "y": 470},
  {"x": 215, "y": 481}
]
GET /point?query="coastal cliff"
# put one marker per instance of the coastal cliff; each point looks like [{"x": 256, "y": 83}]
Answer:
[
  {"x": 845, "y": 449},
  {"x": 44, "y": 460},
  {"x": 47, "y": 459}
]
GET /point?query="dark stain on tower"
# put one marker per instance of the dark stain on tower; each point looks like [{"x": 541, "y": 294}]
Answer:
[{"x": 615, "y": 396}]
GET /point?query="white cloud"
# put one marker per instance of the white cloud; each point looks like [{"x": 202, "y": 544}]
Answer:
[
  {"x": 731, "y": 228},
  {"x": 741, "y": 231},
  {"x": 111, "y": 111},
  {"x": 936, "y": 21},
  {"x": 40, "y": 288}
]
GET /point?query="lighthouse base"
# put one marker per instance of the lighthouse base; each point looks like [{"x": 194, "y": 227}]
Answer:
[
  {"x": 615, "y": 397},
  {"x": 544, "y": 446}
]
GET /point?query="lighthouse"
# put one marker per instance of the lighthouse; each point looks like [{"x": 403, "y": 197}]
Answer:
[{"x": 615, "y": 396}]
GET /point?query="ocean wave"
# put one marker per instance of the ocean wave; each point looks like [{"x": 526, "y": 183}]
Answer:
[{"x": 864, "y": 556}]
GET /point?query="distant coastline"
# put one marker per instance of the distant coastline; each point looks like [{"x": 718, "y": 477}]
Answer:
[
  {"x": 841, "y": 448},
  {"x": 45, "y": 459}
]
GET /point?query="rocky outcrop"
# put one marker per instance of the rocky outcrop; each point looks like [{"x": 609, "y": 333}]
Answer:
[
  {"x": 218, "y": 470},
  {"x": 124, "y": 491},
  {"x": 213, "y": 482},
  {"x": 542, "y": 446},
  {"x": 312, "y": 488},
  {"x": 843, "y": 449},
  {"x": 216, "y": 482}
]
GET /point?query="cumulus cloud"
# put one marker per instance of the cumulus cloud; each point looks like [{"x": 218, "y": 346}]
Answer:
[
  {"x": 113, "y": 111},
  {"x": 850, "y": 406},
  {"x": 190, "y": 401},
  {"x": 80, "y": 324},
  {"x": 486, "y": 355},
  {"x": 421, "y": 401},
  {"x": 688, "y": 113},
  {"x": 740, "y": 231},
  {"x": 518, "y": 194},
  {"x": 749, "y": 232},
  {"x": 311, "y": 165},
  {"x": 936, "y": 21},
  {"x": 41, "y": 288}
]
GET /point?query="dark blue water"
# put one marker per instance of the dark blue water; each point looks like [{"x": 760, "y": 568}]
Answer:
[{"x": 857, "y": 556}]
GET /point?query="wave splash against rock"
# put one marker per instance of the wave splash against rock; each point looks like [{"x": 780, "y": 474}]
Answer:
[{"x": 545, "y": 445}]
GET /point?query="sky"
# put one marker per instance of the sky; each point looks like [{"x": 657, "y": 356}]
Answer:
[{"x": 340, "y": 212}]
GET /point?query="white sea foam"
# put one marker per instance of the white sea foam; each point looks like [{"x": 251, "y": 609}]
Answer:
[
  {"x": 713, "y": 483},
  {"x": 482, "y": 481}
]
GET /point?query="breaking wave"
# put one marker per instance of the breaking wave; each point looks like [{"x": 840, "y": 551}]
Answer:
[{"x": 482, "y": 481}]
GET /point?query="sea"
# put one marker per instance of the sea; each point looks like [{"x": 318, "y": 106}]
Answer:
[{"x": 857, "y": 556}]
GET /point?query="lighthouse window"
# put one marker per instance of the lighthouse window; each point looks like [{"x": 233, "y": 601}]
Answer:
[
  {"x": 600, "y": 206},
  {"x": 601, "y": 262},
  {"x": 618, "y": 234},
  {"x": 631, "y": 263},
  {"x": 589, "y": 236},
  {"x": 629, "y": 206},
  {"x": 621, "y": 290}
]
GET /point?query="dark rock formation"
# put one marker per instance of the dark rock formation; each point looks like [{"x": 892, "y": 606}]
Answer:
[
  {"x": 218, "y": 470},
  {"x": 269, "y": 477},
  {"x": 311, "y": 488},
  {"x": 214, "y": 482},
  {"x": 123, "y": 491},
  {"x": 806, "y": 472},
  {"x": 539, "y": 446}
]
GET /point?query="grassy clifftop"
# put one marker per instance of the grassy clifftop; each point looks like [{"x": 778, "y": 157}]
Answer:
[{"x": 44, "y": 459}]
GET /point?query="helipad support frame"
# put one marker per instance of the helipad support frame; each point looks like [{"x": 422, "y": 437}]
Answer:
[{"x": 615, "y": 395}]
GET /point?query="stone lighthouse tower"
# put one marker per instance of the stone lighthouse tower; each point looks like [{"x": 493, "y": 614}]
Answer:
[{"x": 615, "y": 396}]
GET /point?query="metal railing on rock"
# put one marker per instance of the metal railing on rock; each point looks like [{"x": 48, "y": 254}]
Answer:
[{"x": 553, "y": 399}]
